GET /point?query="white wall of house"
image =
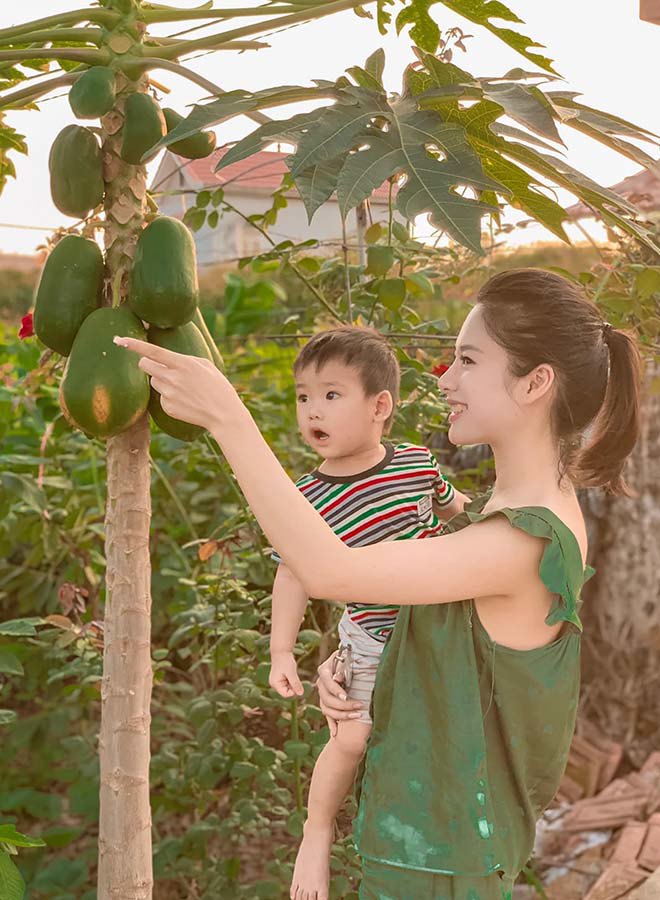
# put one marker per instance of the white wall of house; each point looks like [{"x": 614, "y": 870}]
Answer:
[{"x": 233, "y": 237}]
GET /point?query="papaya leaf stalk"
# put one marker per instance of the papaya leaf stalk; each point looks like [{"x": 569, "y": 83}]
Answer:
[
  {"x": 107, "y": 18},
  {"x": 213, "y": 42},
  {"x": 88, "y": 35},
  {"x": 72, "y": 54}
]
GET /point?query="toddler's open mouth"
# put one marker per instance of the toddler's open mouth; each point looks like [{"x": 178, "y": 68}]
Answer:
[{"x": 319, "y": 435}]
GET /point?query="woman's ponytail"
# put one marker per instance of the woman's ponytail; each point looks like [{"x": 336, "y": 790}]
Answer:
[{"x": 615, "y": 429}]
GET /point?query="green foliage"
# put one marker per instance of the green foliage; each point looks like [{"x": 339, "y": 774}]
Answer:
[{"x": 231, "y": 760}]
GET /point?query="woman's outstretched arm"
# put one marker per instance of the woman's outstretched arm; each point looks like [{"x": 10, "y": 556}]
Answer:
[{"x": 486, "y": 559}]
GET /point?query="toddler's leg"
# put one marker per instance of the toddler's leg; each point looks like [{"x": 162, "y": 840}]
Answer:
[{"x": 332, "y": 778}]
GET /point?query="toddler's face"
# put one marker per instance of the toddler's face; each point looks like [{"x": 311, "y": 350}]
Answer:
[{"x": 335, "y": 416}]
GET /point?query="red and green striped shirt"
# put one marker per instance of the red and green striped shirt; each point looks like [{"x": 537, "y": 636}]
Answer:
[{"x": 393, "y": 501}]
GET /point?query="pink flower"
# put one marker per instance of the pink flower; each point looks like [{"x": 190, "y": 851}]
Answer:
[
  {"x": 439, "y": 370},
  {"x": 27, "y": 327}
]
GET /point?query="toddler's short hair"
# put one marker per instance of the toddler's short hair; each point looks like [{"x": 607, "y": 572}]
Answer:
[{"x": 364, "y": 349}]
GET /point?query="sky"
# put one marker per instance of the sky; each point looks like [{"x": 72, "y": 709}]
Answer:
[{"x": 600, "y": 47}]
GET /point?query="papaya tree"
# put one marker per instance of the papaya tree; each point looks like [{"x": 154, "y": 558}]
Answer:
[{"x": 460, "y": 147}]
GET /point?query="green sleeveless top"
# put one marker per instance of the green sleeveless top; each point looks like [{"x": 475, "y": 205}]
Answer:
[{"x": 470, "y": 738}]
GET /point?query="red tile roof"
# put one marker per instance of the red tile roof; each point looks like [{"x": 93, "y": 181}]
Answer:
[{"x": 262, "y": 171}]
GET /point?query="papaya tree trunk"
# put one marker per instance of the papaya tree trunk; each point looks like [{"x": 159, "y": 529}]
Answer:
[{"x": 125, "y": 855}]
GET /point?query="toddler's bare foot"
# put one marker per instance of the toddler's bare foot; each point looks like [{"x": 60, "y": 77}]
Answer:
[{"x": 311, "y": 874}]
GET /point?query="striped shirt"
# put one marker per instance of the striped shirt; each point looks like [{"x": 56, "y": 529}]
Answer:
[{"x": 393, "y": 501}]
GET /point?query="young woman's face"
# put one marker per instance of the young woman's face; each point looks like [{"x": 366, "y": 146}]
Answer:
[{"x": 480, "y": 389}]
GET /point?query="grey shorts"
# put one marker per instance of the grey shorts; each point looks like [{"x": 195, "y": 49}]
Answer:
[{"x": 365, "y": 652}]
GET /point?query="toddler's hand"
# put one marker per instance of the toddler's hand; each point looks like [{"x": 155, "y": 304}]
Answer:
[{"x": 284, "y": 675}]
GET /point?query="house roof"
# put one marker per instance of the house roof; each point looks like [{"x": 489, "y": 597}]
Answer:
[
  {"x": 641, "y": 189},
  {"x": 262, "y": 171}
]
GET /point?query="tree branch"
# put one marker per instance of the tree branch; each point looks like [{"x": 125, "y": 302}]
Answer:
[
  {"x": 214, "y": 42},
  {"x": 100, "y": 16}
]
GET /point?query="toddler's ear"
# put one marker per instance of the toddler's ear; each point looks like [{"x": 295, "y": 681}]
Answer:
[{"x": 383, "y": 406}]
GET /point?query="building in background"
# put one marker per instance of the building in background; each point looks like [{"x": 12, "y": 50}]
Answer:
[
  {"x": 641, "y": 189},
  {"x": 248, "y": 185}
]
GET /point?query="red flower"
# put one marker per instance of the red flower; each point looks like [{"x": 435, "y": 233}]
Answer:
[
  {"x": 439, "y": 370},
  {"x": 27, "y": 327}
]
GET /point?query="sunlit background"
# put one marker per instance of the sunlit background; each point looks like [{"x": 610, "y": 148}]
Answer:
[{"x": 600, "y": 47}]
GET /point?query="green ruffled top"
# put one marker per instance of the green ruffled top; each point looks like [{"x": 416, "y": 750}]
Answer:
[{"x": 470, "y": 738}]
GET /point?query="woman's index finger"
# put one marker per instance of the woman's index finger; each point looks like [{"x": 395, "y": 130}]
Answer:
[{"x": 147, "y": 351}]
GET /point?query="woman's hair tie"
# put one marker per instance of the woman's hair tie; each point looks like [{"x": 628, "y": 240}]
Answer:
[{"x": 607, "y": 329}]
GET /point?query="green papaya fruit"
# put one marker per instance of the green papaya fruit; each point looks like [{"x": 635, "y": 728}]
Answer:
[
  {"x": 69, "y": 290},
  {"x": 379, "y": 259},
  {"x": 197, "y": 146},
  {"x": 163, "y": 287},
  {"x": 94, "y": 93},
  {"x": 144, "y": 126},
  {"x": 184, "y": 339},
  {"x": 103, "y": 390},
  {"x": 76, "y": 171}
]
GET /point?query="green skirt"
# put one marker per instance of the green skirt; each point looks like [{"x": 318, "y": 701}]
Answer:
[{"x": 383, "y": 882}]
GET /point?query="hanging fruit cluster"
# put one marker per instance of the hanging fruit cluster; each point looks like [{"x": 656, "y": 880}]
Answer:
[{"x": 103, "y": 391}]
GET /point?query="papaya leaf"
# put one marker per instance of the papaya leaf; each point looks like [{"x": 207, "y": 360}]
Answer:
[
  {"x": 424, "y": 32},
  {"x": 510, "y": 131},
  {"x": 604, "y": 128},
  {"x": 371, "y": 76},
  {"x": 612, "y": 208},
  {"x": 430, "y": 182},
  {"x": 235, "y": 103},
  {"x": 317, "y": 183},
  {"x": 375, "y": 65},
  {"x": 383, "y": 16},
  {"x": 482, "y": 11},
  {"x": 527, "y": 193},
  {"x": 287, "y": 130},
  {"x": 526, "y": 104},
  {"x": 10, "y": 139},
  {"x": 337, "y": 129},
  {"x": 606, "y": 122}
]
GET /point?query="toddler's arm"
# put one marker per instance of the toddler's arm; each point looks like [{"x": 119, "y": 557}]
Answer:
[
  {"x": 289, "y": 603},
  {"x": 453, "y": 508}
]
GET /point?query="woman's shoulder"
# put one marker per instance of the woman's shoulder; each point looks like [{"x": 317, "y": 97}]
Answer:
[{"x": 536, "y": 515}]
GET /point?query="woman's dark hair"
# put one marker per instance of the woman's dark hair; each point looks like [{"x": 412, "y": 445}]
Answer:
[{"x": 539, "y": 317}]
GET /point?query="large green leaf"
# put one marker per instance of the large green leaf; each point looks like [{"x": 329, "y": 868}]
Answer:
[
  {"x": 481, "y": 12},
  {"x": 526, "y": 192},
  {"x": 317, "y": 183},
  {"x": 336, "y": 130},
  {"x": 10, "y": 664},
  {"x": 12, "y": 886},
  {"x": 424, "y": 32},
  {"x": 371, "y": 76},
  {"x": 524, "y": 103},
  {"x": 603, "y": 127},
  {"x": 235, "y": 103},
  {"x": 435, "y": 159},
  {"x": 287, "y": 130}
]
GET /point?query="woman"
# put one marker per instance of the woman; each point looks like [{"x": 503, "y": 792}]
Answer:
[{"x": 477, "y": 691}]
